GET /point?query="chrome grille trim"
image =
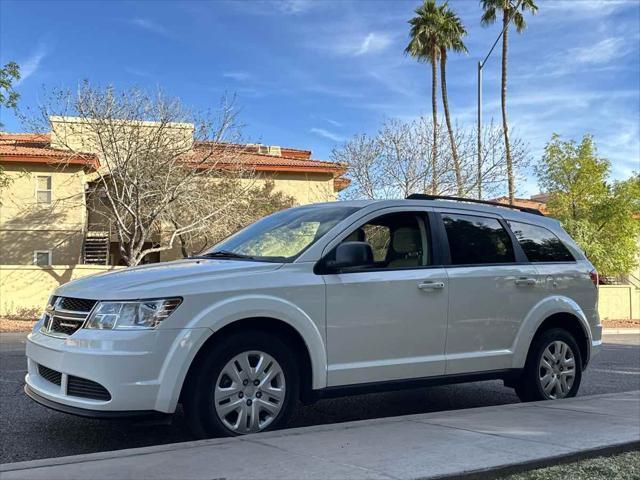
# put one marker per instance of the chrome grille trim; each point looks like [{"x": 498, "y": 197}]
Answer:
[{"x": 60, "y": 322}]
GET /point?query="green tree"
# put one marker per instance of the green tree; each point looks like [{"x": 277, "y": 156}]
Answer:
[
  {"x": 601, "y": 215},
  {"x": 8, "y": 99},
  {"x": 9, "y": 74},
  {"x": 509, "y": 12},
  {"x": 424, "y": 45},
  {"x": 451, "y": 31}
]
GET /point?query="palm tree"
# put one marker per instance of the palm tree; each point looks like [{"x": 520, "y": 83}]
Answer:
[
  {"x": 451, "y": 31},
  {"x": 425, "y": 47},
  {"x": 509, "y": 12}
]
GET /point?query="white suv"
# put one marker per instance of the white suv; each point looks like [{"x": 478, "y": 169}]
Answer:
[{"x": 324, "y": 300}]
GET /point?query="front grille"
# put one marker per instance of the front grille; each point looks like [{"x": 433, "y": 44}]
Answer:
[
  {"x": 50, "y": 375},
  {"x": 65, "y": 325},
  {"x": 81, "y": 387},
  {"x": 66, "y": 315},
  {"x": 76, "y": 304}
]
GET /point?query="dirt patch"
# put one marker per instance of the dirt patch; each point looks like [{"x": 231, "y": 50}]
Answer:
[
  {"x": 621, "y": 323},
  {"x": 8, "y": 325}
]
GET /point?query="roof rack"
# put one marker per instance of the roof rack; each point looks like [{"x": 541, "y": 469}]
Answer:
[{"x": 424, "y": 196}]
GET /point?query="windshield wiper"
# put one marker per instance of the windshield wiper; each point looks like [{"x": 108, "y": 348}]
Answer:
[{"x": 225, "y": 254}]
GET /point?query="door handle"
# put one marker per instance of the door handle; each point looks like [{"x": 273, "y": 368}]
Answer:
[
  {"x": 525, "y": 281},
  {"x": 431, "y": 285}
]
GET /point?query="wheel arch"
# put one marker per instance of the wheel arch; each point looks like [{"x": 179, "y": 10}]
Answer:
[
  {"x": 256, "y": 310},
  {"x": 291, "y": 337},
  {"x": 554, "y": 312}
]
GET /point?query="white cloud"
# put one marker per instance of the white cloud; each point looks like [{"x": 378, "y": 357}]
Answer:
[
  {"x": 237, "y": 76},
  {"x": 150, "y": 26},
  {"x": 373, "y": 42},
  {"x": 137, "y": 72},
  {"x": 293, "y": 7},
  {"x": 346, "y": 41},
  {"x": 327, "y": 134},
  {"x": 31, "y": 64},
  {"x": 603, "y": 51},
  {"x": 586, "y": 8}
]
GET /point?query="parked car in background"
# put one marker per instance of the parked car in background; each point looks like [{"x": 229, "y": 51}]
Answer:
[{"x": 324, "y": 300}]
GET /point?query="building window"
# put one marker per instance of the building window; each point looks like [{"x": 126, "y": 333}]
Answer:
[
  {"x": 42, "y": 258},
  {"x": 43, "y": 190}
]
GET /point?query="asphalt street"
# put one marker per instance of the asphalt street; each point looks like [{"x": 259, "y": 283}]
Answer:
[{"x": 29, "y": 431}]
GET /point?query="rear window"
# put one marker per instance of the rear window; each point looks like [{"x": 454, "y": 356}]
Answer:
[
  {"x": 477, "y": 240},
  {"x": 540, "y": 244}
]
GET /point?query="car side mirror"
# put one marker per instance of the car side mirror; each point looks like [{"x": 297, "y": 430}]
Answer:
[{"x": 350, "y": 255}]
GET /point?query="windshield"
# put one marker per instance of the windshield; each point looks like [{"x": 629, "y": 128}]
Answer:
[{"x": 283, "y": 236}]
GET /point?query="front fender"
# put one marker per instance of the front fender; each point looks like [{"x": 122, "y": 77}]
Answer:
[
  {"x": 228, "y": 311},
  {"x": 538, "y": 314}
]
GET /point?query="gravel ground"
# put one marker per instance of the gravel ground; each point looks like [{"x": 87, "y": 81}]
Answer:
[
  {"x": 625, "y": 466},
  {"x": 9, "y": 325}
]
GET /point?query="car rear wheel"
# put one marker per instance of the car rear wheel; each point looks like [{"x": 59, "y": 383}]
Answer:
[
  {"x": 249, "y": 383},
  {"x": 553, "y": 369}
]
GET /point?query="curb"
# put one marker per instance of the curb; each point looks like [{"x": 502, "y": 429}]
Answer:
[
  {"x": 620, "y": 331},
  {"x": 496, "y": 473}
]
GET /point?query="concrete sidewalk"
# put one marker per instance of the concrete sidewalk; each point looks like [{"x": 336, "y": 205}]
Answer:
[{"x": 416, "y": 446}]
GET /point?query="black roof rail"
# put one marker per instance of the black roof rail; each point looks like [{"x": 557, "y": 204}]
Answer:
[{"x": 424, "y": 196}]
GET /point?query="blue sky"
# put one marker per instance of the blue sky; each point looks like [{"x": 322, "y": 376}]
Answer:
[{"x": 311, "y": 73}]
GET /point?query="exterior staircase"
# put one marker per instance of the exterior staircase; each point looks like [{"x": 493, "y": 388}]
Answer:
[{"x": 96, "y": 248}]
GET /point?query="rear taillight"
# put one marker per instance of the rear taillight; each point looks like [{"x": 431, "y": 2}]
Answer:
[{"x": 594, "y": 276}]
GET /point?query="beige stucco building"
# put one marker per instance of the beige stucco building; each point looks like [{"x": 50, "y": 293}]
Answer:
[{"x": 47, "y": 217}]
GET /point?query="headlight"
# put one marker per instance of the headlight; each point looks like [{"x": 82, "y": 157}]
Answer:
[{"x": 143, "y": 314}]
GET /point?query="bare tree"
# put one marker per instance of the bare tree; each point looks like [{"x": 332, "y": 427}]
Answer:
[
  {"x": 398, "y": 161},
  {"x": 257, "y": 202},
  {"x": 155, "y": 155}
]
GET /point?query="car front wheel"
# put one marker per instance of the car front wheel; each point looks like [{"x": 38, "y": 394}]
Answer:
[
  {"x": 247, "y": 384},
  {"x": 553, "y": 369}
]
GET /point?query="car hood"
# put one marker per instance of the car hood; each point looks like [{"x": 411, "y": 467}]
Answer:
[{"x": 162, "y": 279}]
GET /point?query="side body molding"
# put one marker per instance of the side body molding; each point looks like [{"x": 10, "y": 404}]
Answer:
[
  {"x": 538, "y": 314},
  {"x": 226, "y": 312}
]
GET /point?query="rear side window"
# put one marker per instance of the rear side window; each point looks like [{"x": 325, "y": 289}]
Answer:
[
  {"x": 540, "y": 244},
  {"x": 477, "y": 240}
]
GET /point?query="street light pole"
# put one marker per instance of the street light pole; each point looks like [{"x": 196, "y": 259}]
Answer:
[
  {"x": 479, "y": 130},
  {"x": 514, "y": 9}
]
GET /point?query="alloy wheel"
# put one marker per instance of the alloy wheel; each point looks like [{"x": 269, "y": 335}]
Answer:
[{"x": 249, "y": 392}]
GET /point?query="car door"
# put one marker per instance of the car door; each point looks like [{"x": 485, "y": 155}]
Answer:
[
  {"x": 492, "y": 288},
  {"x": 388, "y": 321}
]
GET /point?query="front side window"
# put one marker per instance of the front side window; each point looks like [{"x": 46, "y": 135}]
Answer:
[
  {"x": 398, "y": 240},
  {"x": 42, "y": 258},
  {"x": 43, "y": 190},
  {"x": 477, "y": 240},
  {"x": 540, "y": 244},
  {"x": 283, "y": 236}
]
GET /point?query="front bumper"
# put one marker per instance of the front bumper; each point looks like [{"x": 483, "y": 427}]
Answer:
[
  {"x": 137, "y": 368},
  {"x": 83, "y": 412}
]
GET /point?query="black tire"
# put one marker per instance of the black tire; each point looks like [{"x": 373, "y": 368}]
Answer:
[
  {"x": 198, "y": 398},
  {"x": 529, "y": 388}
]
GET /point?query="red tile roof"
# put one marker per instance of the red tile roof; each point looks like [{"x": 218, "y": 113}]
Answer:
[
  {"x": 340, "y": 183},
  {"x": 35, "y": 147},
  {"x": 524, "y": 202},
  {"x": 290, "y": 160}
]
